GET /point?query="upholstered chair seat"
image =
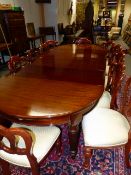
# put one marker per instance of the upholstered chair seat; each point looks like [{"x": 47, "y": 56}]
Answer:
[
  {"x": 114, "y": 33},
  {"x": 106, "y": 81},
  {"x": 107, "y": 69},
  {"x": 105, "y": 100},
  {"x": 104, "y": 128},
  {"x": 43, "y": 139}
]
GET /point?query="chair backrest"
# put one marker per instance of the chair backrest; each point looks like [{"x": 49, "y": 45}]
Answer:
[
  {"x": 9, "y": 143},
  {"x": 30, "y": 54},
  {"x": 51, "y": 43},
  {"x": 107, "y": 45},
  {"x": 14, "y": 64},
  {"x": 30, "y": 29},
  {"x": 47, "y": 31},
  {"x": 113, "y": 51},
  {"x": 118, "y": 73},
  {"x": 83, "y": 40},
  {"x": 60, "y": 28},
  {"x": 125, "y": 101},
  {"x": 43, "y": 47}
]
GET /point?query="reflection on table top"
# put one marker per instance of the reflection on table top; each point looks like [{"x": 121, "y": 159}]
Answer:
[{"x": 62, "y": 81}]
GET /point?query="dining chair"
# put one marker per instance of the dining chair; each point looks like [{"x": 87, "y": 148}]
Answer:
[
  {"x": 114, "y": 50},
  {"x": 112, "y": 83},
  {"x": 14, "y": 64},
  {"x": 115, "y": 53},
  {"x": 108, "y": 45},
  {"x": 27, "y": 146},
  {"x": 52, "y": 43},
  {"x": 46, "y": 31},
  {"x": 107, "y": 128},
  {"x": 30, "y": 54},
  {"x": 114, "y": 33},
  {"x": 43, "y": 47},
  {"x": 83, "y": 40}
]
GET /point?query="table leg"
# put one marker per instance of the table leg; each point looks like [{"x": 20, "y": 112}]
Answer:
[
  {"x": 73, "y": 139},
  {"x": 74, "y": 133}
]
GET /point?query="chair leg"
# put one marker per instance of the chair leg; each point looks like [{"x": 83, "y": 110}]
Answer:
[
  {"x": 5, "y": 167},
  {"x": 87, "y": 157},
  {"x": 35, "y": 169},
  {"x": 127, "y": 152}
]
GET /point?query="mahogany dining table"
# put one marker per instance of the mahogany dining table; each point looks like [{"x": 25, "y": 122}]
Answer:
[{"x": 59, "y": 87}]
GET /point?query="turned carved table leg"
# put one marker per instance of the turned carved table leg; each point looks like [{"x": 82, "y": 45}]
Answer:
[
  {"x": 87, "y": 157},
  {"x": 74, "y": 133},
  {"x": 73, "y": 139}
]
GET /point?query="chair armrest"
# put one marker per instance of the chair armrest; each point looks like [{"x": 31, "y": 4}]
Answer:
[{"x": 11, "y": 138}]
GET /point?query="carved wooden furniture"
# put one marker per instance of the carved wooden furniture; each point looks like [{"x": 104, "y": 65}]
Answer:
[
  {"x": 31, "y": 54},
  {"x": 43, "y": 47},
  {"x": 114, "y": 33},
  {"x": 32, "y": 37},
  {"x": 106, "y": 128},
  {"x": 116, "y": 70},
  {"x": 45, "y": 31},
  {"x": 83, "y": 40},
  {"x": 57, "y": 88},
  {"x": 108, "y": 98},
  {"x": 13, "y": 25},
  {"x": 52, "y": 43},
  {"x": 14, "y": 64},
  {"x": 26, "y": 146}
]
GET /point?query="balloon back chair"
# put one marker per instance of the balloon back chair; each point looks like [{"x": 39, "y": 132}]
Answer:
[
  {"x": 30, "y": 55},
  {"x": 52, "y": 43},
  {"x": 112, "y": 84},
  {"x": 14, "y": 64},
  {"x": 27, "y": 146},
  {"x": 107, "y": 128},
  {"x": 83, "y": 40}
]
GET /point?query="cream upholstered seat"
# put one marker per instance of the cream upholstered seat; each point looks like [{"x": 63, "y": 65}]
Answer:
[
  {"x": 106, "y": 81},
  {"x": 43, "y": 139},
  {"x": 107, "y": 69},
  {"x": 105, "y": 100},
  {"x": 114, "y": 32},
  {"x": 105, "y": 127}
]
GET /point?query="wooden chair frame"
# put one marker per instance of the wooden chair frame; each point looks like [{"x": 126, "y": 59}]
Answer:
[{"x": 11, "y": 134}]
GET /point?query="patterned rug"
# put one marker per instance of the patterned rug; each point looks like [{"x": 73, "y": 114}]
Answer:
[{"x": 104, "y": 162}]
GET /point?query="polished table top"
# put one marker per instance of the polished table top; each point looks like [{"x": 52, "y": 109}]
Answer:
[
  {"x": 63, "y": 81},
  {"x": 57, "y": 88}
]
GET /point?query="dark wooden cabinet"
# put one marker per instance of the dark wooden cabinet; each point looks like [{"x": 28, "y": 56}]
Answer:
[{"x": 13, "y": 25}]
